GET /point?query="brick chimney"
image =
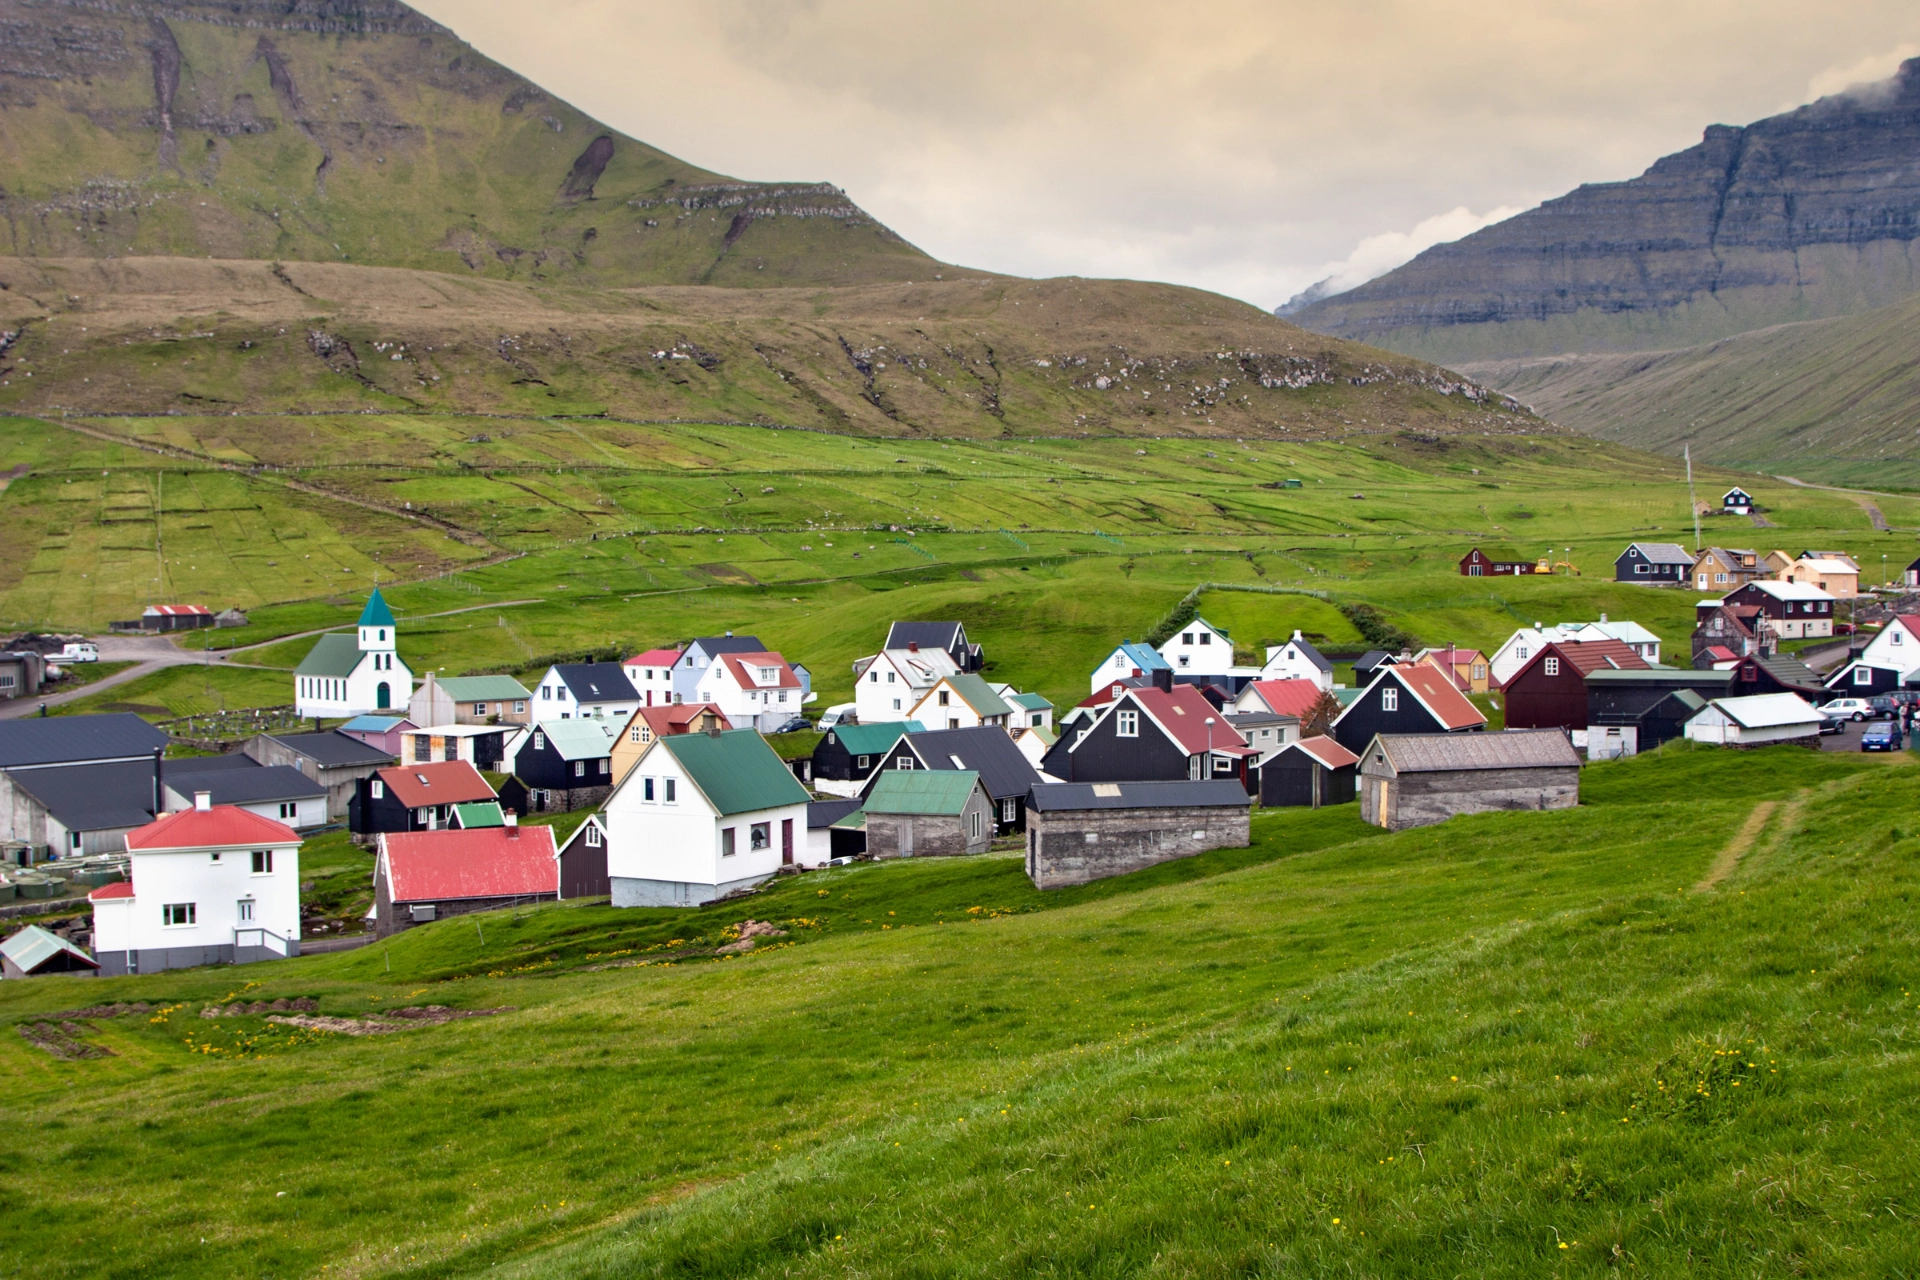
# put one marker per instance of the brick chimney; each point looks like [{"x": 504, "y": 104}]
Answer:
[{"x": 913, "y": 646}]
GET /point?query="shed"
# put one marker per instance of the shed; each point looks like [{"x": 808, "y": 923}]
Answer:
[
  {"x": 1757, "y": 721},
  {"x": 1311, "y": 772},
  {"x": 1638, "y": 719},
  {"x": 822, "y": 815},
  {"x": 1415, "y": 780},
  {"x": 427, "y": 875},
  {"x": 922, "y": 813},
  {"x": 35, "y": 952},
  {"x": 1078, "y": 832},
  {"x": 583, "y": 862}
]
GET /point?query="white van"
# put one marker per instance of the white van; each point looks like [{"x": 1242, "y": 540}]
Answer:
[
  {"x": 79, "y": 651},
  {"x": 839, "y": 714}
]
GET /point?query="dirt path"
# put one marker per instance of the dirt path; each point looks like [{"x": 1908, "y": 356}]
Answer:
[
  {"x": 1737, "y": 847},
  {"x": 1862, "y": 496}
]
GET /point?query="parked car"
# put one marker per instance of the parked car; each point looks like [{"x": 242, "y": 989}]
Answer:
[
  {"x": 1889, "y": 704},
  {"x": 1847, "y": 709},
  {"x": 1881, "y": 735},
  {"x": 796, "y": 725},
  {"x": 1832, "y": 726},
  {"x": 836, "y": 715},
  {"x": 79, "y": 651}
]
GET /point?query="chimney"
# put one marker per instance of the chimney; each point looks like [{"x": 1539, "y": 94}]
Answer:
[
  {"x": 713, "y": 728},
  {"x": 1163, "y": 678},
  {"x": 159, "y": 783},
  {"x": 913, "y": 646},
  {"x": 203, "y": 800},
  {"x": 1296, "y": 633},
  {"x": 513, "y": 825}
]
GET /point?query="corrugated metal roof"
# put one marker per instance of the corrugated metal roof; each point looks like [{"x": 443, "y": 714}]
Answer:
[
  {"x": 479, "y": 813},
  {"x": 1003, "y": 768},
  {"x": 979, "y": 695},
  {"x": 221, "y": 827},
  {"x": 438, "y": 866},
  {"x": 579, "y": 739},
  {"x": 596, "y": 681},
  {"x": 118, "y": 795},
  {"x": 334, "y": 750},
  {"x": 33, "y": 946},
  {"x": 1664, "y": 553},
  {"x": 923, "y": 791},
  {"x": 333, "y": 656},
  {"x": 1325, "y": 750},
  {"x": 1767, "y": 710},
  {"x": 736, "y": 770},
  {"x": 1216, "y": 793},
  {"x": 259, "y": 785},
  {"x": 1442, "y": 752},
  {"x": 373, "y": 724},
  {"x": 1031, "y": 701},
  {"x": 873, "y": 739},
  {"x": 1288, "y": 697},
  {"x": 36, "y": 743},
  {"x": 484, "y": 689},
  {"x": 448, "y": 782}
]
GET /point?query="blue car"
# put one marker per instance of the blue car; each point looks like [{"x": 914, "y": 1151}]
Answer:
[{"x": 1882, "y": 735}]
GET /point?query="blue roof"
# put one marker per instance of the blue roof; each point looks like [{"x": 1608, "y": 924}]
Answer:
[
  {"x": 1145, "y": 657},
  {"x": 372, "y": 724},
  {"x": 376, "y": 614}
]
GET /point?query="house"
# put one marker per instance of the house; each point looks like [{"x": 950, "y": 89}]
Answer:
[
  {"x": 1415, "y": 780},
  {"x": 1656, "y": 564},
  {"x": 471, "y": 700},
  {"x": 1759, "y": 721},
  {"x": 79, "y": 810},
  {"x": 209, "y": 885},
  {"x": 760, "y": 690},
  {"x": 1297, "y": 660},
  {"x": 1631, "y": 634},
  {"x": 352, "y": 674},
  {"x": 1034, "y": 743},
  {"x": 1030, "y": 710},
  {"x": 1734, "y": 630},
  {"x": 1367, "y": 668},
  {"x": 846, "y": 756},
  {"x": 168, "y": 617},
  {"x": 1720, "y": 569},
  {"x": 337, "y": 761},
  {"x": 701, "y": 815},
  {"x": 1405, "y": 700},
  {"x": 1296, "y": 697},
  {"x": 1793, "y": 610},
  {"x": 1265, "y": 732},
  {"x": 1912, "y": 575},
  {"x": 700, "y": 655},
  {"x": 22, "y": 673},
  {"x": 1199, "y": 647},
  {"x": 1860, "y": 679},
  {"x": 659, "y": 720},
  {"x": 824, "y": 843},
  {"x": 962, "y": 702},
  {"x": 1638, "y": 718},
  {"x": 45, "y": 743},
  {"x": 482, "y": 745},
  {"x": 230, "y": 617},
  {"x": 888, "y": 685},
  {"x": 583, "y": 862},
  {"x": 1309, "y": 772},
  {"x": 1467, "y": 668},
  {"x": 1086, "y": 831},
  {"x": 586, "y": 691},
  {"x": 1736, "y": 502},
  {"x": 1157, "y": 734},
  {"x": 1004, "y": 771},
  {"x": 1518, "y": 650},
  {"x": 651, "y": 674},
  {"x": 1492, "y": 562},
  {"x": 923, "y": 813},
  {"x": 284, "y": 794},
  {"x": 1837, "y": 577},
  {"x": 1896, "y": 645},
  {"x": 417, "y": 797},
  {"x": 1126, "y": 661},
  {"x": 948, "y": 637},
  {"x": 566, "y": 764},
  {"x": 34, "y": 952},
  {"x": 422, "y": 876},
  {"x": 379, "y": 732},
  {"x": 1550, "y": 692},
  {"x": 1760, "y": 673},
  {"x": 1776, "y": 561}
]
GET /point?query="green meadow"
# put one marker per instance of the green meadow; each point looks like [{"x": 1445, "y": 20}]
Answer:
[{"x": 1606, "y": 1040}]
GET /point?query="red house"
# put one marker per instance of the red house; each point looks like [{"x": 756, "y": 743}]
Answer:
[
  {"x": 1550, "y": 692},
  {"x": 1496, "y": 562}
]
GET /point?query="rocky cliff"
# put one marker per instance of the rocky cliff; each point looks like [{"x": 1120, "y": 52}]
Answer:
[
  {"x": 1809, "y": 214},
  {"x": 360, "y": 131}
]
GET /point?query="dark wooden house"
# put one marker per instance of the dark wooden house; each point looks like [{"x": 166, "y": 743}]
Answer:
[
  {"x": 1409, "y": 699},
  {"x": 847, "y": 755},
  {"x": 566, "y": 764},
  {"x": 1658, "y": 564},
  {"x": 1004, "y": 770},
  {"x": 583, "y": 862},
  {"x": 1156, "y": 734},
  {"x": 1759, "y": 673},
  {"x": 1493, "y": 562},
  {"x": 1550, "y": 691},
  {"x": 415, "y": 797},
  {"x": 1310, "y": 772}
]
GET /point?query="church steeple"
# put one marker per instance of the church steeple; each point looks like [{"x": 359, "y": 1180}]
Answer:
[{"x": 376, "y": 625}]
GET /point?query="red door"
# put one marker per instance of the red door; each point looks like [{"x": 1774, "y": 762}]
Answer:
[{"x": 786, "y": 842}]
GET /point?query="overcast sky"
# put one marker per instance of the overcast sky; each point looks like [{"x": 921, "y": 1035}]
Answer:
[{"x": 1250, "y": 148}]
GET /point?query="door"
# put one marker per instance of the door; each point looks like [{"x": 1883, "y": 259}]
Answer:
[
  {"x": 786, "y": 842},
  {"x": 1380, "y": 806},
  {"x": 383, "y": 696},
  {"x": 906, "y": 837}
]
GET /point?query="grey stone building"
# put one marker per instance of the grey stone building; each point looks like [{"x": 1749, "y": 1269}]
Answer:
[
  {"x": 1083, "y": 831},
  {"x": 1415, "y": 780}
]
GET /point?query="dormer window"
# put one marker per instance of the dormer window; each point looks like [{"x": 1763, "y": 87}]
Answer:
[{"x": 769, "y": 675}]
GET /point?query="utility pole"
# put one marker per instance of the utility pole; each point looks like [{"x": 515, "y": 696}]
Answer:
[{"x": 1687, "y": 452}]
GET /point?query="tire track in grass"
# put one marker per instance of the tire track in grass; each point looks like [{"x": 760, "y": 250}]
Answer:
[{"x": 1729, "y": 858}]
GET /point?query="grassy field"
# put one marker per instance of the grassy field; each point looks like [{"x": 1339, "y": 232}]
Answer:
[{"x": 1509, "y": 1045}]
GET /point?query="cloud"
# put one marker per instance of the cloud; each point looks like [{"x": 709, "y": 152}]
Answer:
[
  {"x": 1377, "y": 255},
  {"x": 1867, "y": 71}
]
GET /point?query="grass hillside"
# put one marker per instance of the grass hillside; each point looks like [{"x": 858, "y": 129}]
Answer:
[
  {"x": 1609, "y": 1039},
  {"x": 367, "y": 133},
  {"x": 1832, "y": 400}
]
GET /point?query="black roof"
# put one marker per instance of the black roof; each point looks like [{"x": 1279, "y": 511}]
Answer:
[
  {"x": 1375, "y": 658},
  {"x": 824, "y": 813},
  {"x": 597, "y": 681},
  {"x": 928, "y": 635},
  {"x": 1311, "y": 654},
  {"x": 1215, "y": 793},
  {"x": 106, "y": 797},
  {"x": 334, "y": 750},
  {"x": 36, "y": 743},
  {"x": 1004, "y": 770},
  {"x": 714, "y": 646},
  {"x": 261, "y": 784}
]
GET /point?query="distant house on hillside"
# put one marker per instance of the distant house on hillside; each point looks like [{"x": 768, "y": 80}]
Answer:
[
  {"x": 948, "y": 637},
  {"x": 337, "y": 761},
  {"x": 1199, "y": 647},
  {"x": 1736, "y": 502},
  {"x": 660, "y": 721},
  {"x": 1494, "y": 562},
  {"x": 1298, "y": 660},
  {"x": 1724, "y": 569},
  {"x": 1155, "y": 734},
  {"x": 586, "y": 691},
  {"x": 1793, "y": 610},
  {"x": 1912, "y": 575},
  {"x": 1004, "y": 769},
  {"x": 1657, "y": 564}
]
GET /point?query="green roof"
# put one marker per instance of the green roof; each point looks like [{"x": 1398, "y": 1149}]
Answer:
[
  {"x": 482, "y": 813},
  {"x": 484, "y": 689},
  {"x": 979, "y": 695},
  {"x": 334, "y": 655},
  {"x": 1046, "y": 735},
  {"x": 855, "y": 821},
  {"x": 1031, "y": 701},
  {"x": 579, "y": 739},
  {"x": 942, "y": 792},
  {"x": 376, "y": 614},
  {"x": 736, "y": 770},
  {"x": 35, "y": 946},
  {"x": 872, "y": 739}
]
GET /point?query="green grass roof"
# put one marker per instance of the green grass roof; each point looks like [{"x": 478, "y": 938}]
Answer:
[
  {"x": 736, "y": 770},
  {"x": 941, "y": 792},
  {"x": 333, "y": 655}
]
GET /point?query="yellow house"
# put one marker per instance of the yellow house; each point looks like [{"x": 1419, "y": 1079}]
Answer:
[
  {"x": 1838, "y": 578},
  {"x": 648, "y": 723}
]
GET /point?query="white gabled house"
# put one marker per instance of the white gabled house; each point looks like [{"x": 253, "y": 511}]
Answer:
[
  {"x": 585, "y": 691},
  {"x": 651, "y": 674},
  {"x": 1127, "y": 661},
  {"x": 888, "y": 685},
  {"x": 758, "y": 689},
  {"x": 345, "y": 675},
  {"x": 1298, "y": 660},
  {"x": 1199, "y": 648},
  {"x": 700, "y": 815},
  {"x": 962, "y": 702},
  {"x": 1897, "y": 646}
]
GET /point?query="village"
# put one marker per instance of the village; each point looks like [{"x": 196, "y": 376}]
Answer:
[{"x": 168, "y": 860}]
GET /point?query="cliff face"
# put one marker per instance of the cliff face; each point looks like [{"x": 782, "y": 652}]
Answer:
[
  {"x": 1808, "y": 214},
  {"x": 361, "y": 131}
]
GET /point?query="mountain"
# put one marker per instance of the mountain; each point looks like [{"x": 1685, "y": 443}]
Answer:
[
  {"x": 1805, "y": 215},
  {"x": 1835, "y": 400},
  {"x": 361, "y": 131}
]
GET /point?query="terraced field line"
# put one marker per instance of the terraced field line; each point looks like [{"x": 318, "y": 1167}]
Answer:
[{"x": 1737, "y": 847}]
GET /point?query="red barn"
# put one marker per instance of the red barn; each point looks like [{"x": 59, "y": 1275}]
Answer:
[
  {"x": 1495, "y": 562},
  {"x": 1550, "y": 692}
]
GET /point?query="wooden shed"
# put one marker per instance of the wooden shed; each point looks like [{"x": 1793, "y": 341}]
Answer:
[
  {"x": 1310, "y": 772},
  {"x": 1083, "y": 831},
  {"x": 1415, "y": 780}
]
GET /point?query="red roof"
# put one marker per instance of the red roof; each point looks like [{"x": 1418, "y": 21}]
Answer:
[
  {"x": 654, "y": 658},
  {"x": 449, "y": 782},
  {"x": 222, "y": 827},
  {"x": 178, "y": 610},
  {"x": 1183, "y": 712},
  {"x": 485, "y": 862},
  {"x": 1105, "y": 693},
  {"x": 1288, "y": 697},
  {"x": 667, "y": 721},
  {"x": 1436, "y": 690},
  {"x": 118, "y": 889},
  {"x": 1590, "y": 655},
  {"x": 1911, "y": 621},
  {"x": 741, "y": 662},
  {"x": 1327, "y": 752},
  {"x": 1720, "y": 653}
]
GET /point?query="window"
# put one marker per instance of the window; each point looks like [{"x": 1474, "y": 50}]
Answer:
[
  {"x": 213, "y": 857},
  {"x": 896, "y": 704},
  {"x": 1185, "y": 660},
  {"x": 605, "y": 765},
  {"x": 1126, "y": 724},
  {"x": 246, "y": 909},
  {"x": 1206, "y": 637},
  {"x": 1186, "y": 637},
  {"x": 1893, "y": 637},
  {"x": 783, "y": 695},
  {"x": 1479, "y": 671},
  {"x": 672, "y": 787},
  {"x": 1193, "y": 768},
  {"x": 546, "y": 693},
  {"x": 1390, "y": 699},
  {"x": 1520, "y": 653},
  {"x": 593, "y": 835},
  {"x": 1719, "y": 577},
  {"x": 769, "y": 674},
  {"x": 1036, "y": 719},
  {"x": 177, "y": 914},
  {"x": 1475, "y": 571},
  {"x": 519, "y": 708},
  {"x": 1640, "y": 568},
  {"x": 1862, "y": 676},
  {"x": 633, "y": 735},
  {"x": 1551, "y": 666},
  {"x": 539, "y": 741},
  {"x": 865, "y": 762},
  {"x": 289, "y": 809},
  {"x": 760, "y": 835},
  {"x": 422, "y": 748},
  {"x": 726, "y": 842},
  {"x": 1006, "y": 810},
  {"x": 903, "y": 762},
  {"x": 973, "y": 825},
  {"x": 377, "y": 789},
  {"x": 479, "y": 708},
  {"x": 646, "y": 788},
  {"x": 579, "y": 768},
  {"x": 890, "y": 677},
  {"x": 873, "y": 677},
  {"x": 944, "y": 699}
]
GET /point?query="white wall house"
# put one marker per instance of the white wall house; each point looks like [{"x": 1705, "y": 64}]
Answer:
[
  {"x": 700, "y": 815},
  {"x": 758, "y": 689},
  {"x": 1127, "y": 660},
  {"x": 209, "y": 885},
  {"x": 585, "y": 691},
  {"x": 1199, "y": 648},
  {"x": 1298, "y": 660},
  {"x": 888, "y": 685},
  {"x": 354, "y": 675},
  {"x": 962, "y": 702},
  {"x": 652, "y": 676},
  {"x": 1897, "y": 647},
  {"x": 1755, "y": 721}
]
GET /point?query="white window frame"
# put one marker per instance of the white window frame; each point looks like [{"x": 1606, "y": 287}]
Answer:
[
  {"x": 1552, "y": 665},
  {"x": 1126, "y": 724},
  {"x": 760, "y": 836},
  {"x": 593, "y": 835},
  {"x": 179, "y": 915},
  {"x": 377, "y": 789},
  {"x": 727, "y": 842},
  {"x": 1390, "y": 698}
]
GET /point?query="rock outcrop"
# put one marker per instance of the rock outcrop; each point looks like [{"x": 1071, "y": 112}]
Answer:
[{"x": 1804, "y": 215}]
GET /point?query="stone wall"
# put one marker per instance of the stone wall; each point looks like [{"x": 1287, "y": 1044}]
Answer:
[
  {"x": 1422, "y": 799},
  {"x": 1077, "y": 846}
]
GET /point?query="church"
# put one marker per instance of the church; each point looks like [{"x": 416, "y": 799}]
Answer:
[{"x": 352, "y": 675}]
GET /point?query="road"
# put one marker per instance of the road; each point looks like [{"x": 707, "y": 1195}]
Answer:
[
  {"x": 1861, "y": 496},
  {"x": 148, "y": 654}
]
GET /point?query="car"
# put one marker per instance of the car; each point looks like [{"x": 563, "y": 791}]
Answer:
[
  {"x": 1831, "y": 726},
  {"x": 796, "y": 725},
  {"x": 1847, "y": 709},
  {"x": 1881, "y": 735}
]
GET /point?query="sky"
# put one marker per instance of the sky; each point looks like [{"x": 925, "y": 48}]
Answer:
[{"x": 1251, "y": 148}]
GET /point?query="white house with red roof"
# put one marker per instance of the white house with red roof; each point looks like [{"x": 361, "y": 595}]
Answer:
[
  {"x": 652, "y": 675},
  {"x": 1281, "y": 697},
  {"x": 213, "y": 884},
  {"x": 761, "y": 690},
  {"x": 420, "y": 876}
]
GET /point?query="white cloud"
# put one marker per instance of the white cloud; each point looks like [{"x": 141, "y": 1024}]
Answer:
[
  {"x": 1377, "y": 255},
  {"x": 1868, "y": 70}
]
